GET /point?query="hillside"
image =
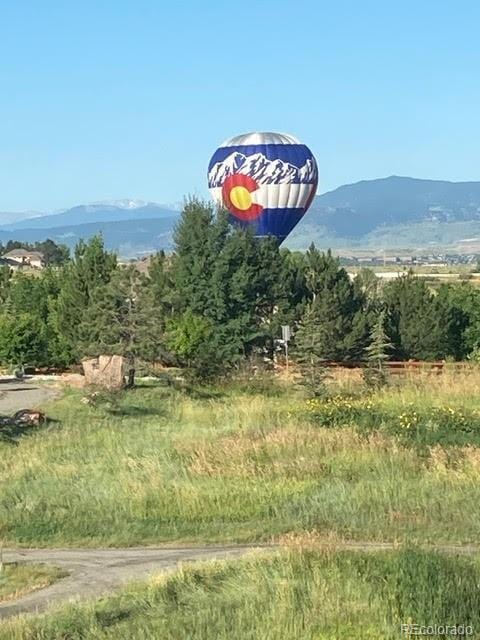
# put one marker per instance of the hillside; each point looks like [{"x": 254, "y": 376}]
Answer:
[
  {"x": 394, "y": 213},
  {"x": 354, "y": 210},
  {"x": 85, "y": 214},
  {"x": 129, "y": 237},
  {"x": 10, "y": 218}
]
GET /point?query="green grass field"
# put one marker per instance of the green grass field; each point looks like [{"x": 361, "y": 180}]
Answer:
[
  {"x": 18, "y": 579},
  {"x": 258, "y": 462},
  {"x": 402, "y": 465},
  {"x": 298, "y": 594}
]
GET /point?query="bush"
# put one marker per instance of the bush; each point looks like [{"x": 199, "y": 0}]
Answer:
[
  {"x": 414, "y": 425},
  {"x": 195, "y": 341}
]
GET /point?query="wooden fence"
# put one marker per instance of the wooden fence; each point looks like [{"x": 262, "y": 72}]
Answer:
[{"x": 410, "y": 366}]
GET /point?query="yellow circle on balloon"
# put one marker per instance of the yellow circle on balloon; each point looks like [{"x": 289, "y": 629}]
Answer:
[{"x": 241, "y": 198}]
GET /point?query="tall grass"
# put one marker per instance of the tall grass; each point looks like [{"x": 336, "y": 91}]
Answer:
[
  {"x": 234, "y": 465},
  {"x": 299, "y": 594}
]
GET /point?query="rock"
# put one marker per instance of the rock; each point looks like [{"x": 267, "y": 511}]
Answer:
[{"x": 106, "y": 372}]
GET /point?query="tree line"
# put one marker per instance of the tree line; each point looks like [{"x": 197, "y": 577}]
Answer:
[{"x": 218, "y": 302}]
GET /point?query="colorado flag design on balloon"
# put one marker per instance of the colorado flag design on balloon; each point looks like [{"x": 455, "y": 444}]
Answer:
[{"x": 266, "y": 181}]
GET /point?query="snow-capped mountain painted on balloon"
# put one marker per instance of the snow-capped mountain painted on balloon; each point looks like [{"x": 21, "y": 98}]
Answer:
[{"x": 261, "y": 169}]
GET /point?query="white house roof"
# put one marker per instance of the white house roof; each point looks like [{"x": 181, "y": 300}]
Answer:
[{"x": 23, "y": 253}]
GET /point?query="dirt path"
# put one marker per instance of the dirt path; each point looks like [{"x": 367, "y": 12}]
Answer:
[
  {"x": 23, "y": 394},
  {"x": 96, "y": 572}
]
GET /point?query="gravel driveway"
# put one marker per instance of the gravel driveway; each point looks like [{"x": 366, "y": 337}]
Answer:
[{"x": 23, "y": 394}]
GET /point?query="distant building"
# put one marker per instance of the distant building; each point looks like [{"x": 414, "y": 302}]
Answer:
[
  {"x": 18, "y": 258},
  {"x": 6, "y": 262}
]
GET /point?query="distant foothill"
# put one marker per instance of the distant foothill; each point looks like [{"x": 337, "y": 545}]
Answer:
[{"x": 402, "y": 216}]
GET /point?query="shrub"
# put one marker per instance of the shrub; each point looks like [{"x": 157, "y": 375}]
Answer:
[{"x": 415, "y": 425}]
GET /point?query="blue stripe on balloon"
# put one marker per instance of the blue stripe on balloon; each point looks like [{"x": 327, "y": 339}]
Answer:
[{"x": 272, "y": 222}]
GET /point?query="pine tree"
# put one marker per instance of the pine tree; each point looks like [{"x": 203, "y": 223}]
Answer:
[
  {"x": 92, "y": 267},
  {"x": 456, "y": 320},
  {"x": 377, "y": 352},
  {"x": 343, "y": 323},
  {"x": 309, "y": 353},
  {"x": 159, "y": 282},
  {"x": 232, "y": 280},
  {"x": 413, "y": 322},
  {"x": 211, "y": 277},
  {"x": 54, "y": 254},
  {"x": 5, "y": 281},
  {"x": 123, "y": 320},
  {"x": 23, "y": 340},
  {"x": 368, "y": 284},
  {"x": 199, "y": 239}
]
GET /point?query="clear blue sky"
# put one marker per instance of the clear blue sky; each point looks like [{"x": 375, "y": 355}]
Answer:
[{"x": 114, "y": 98}]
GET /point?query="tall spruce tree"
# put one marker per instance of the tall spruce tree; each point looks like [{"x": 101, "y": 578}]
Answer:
[
  {"x": 413, "y": 322},
  {"x": 309, "y": 353},
  {"x": 458, "y": 309},
  {"x": 92, "y": 267},
  {"x": 338, "y": 306},
  {"x": 368, "y": 285},
  {"x": 232, "y": 280},
  {"x": 199, "y": 237},
  {"x": 159, "y": 282},
  {"x": 377, "y": 352}
]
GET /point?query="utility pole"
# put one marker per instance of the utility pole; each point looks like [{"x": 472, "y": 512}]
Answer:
[{"x": 286, "y": 335}]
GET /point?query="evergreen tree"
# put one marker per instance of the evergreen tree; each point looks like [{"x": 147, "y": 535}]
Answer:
[
  {"x": 123, "y": 320},
  {"x": 249, "y": 293},
  {"x": 338, "y": 307},
  {"x": 23, "y": 340},
  {"x": 5, "y": 281},
  {"x": 92, "y": 267},
  {"x": 54, "y": 254},
  {"x": 199, "y": 238},
  {"x": 459, "y": 304},
  {"x": 320, "y": 268},
  {"x": 377, "y": 352},
  {"x": 414, "y": 325},
  {"x": 452, "y": 322},
  {"x": 28, "y": 297},
  {"x": 309, "y": 353},
  {"x": 294, "y": 283},
  {"x": 231, "y": 279},
  {"x": 273, "y": 301},
  {"x": 159, "y": 282},
  {"x": 367, "y": 284}
]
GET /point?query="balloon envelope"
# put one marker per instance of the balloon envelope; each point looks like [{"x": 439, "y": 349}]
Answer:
[{"x": 267, "y": 181}]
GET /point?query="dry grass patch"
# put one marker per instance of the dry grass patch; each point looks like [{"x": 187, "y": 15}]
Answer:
[{"x": 17, "y": 579}]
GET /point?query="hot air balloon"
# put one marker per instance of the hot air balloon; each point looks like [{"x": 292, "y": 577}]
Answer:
[{"x": 267, "y": 181}]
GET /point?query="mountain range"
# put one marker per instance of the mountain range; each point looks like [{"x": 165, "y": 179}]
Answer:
[
  {"x": 394, "y": 213},
  {"x": 98, "y": 212}
]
